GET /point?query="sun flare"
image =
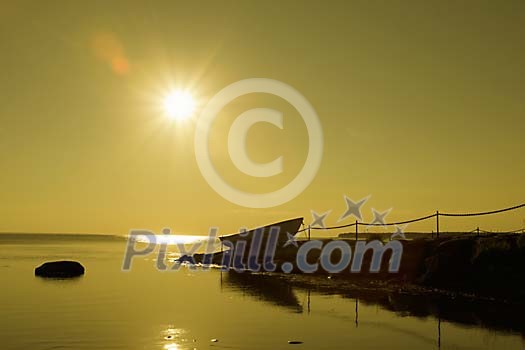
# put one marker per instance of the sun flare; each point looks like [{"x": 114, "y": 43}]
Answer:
[{"x": 179, "y": 105}]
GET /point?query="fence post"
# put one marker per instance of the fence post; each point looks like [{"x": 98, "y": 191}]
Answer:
[
  {"x": 308, "y": 232},
  {"x": 437, "y": 223},
  {"x": 356, "y": 230}
]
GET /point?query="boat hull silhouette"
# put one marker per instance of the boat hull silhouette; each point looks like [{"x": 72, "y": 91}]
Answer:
[{"x": 282, "y": 230}]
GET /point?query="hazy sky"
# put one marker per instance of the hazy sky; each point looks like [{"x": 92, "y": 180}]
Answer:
[{"x": 422, "y": 106}]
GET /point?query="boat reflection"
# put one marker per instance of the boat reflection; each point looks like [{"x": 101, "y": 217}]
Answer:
[{"x": 264, "y": 287}]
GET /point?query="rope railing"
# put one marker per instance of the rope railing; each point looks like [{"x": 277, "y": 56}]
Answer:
[
  {"x": 518, "y": 230},
  {"x": 436, "y": 215},
  {"x": 485, "y": 212},
  {"x": 399, "y": 222},
  {"x": 375, "y": 224},
  {"x": 488, "y": 232}
]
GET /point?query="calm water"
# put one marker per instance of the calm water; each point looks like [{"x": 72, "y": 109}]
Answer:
[{"x": 147, "y": 309}]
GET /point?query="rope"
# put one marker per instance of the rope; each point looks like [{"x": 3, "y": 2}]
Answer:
[
  {"x": 400, "y": 222},
  {"x": 333, "y": 227},
  {"x": 514, "y": 231},
  {"x": 483, "y": 213},
  {"x": 517, "y": 231},
  {"x": 417, "y": 219},
  {"x": 372, "y": 224}
]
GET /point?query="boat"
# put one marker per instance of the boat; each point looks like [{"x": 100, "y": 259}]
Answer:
[{"x": 285, "y": 229}]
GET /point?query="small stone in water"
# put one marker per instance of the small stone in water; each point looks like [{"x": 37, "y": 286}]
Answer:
[{"x": 214, "y": 340}]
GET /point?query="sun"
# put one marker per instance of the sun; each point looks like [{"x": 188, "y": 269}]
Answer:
[{"x": 179, "y": 105}]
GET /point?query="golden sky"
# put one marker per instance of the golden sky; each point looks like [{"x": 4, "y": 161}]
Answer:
[{"x": 422, "y": 106}]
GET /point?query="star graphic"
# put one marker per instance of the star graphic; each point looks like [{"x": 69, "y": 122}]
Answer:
[
  {"x": 400, "y": 231},
  {"x": 353, "y": 208},
  {"x": 291, "y": 240},
  {"x": 379, "y": 218},
  {"x": 319, "y": 219}
]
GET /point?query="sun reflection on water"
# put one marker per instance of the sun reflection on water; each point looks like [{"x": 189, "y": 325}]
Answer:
[
  {"x": 175, "y": 337},
  {"x": 171, "y": 346}
]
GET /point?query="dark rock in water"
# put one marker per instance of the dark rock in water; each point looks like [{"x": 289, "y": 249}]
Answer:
[{"x": 60, "y": 269}]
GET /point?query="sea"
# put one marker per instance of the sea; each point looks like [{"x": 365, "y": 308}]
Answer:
[{"x": 144, "y": 308}]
